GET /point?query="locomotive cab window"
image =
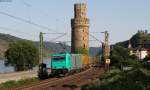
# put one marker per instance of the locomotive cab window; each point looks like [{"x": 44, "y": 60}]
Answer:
[{"x": 59, "y": 58}]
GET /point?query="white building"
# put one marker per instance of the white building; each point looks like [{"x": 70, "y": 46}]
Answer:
[{"x": 140, "y": 53}]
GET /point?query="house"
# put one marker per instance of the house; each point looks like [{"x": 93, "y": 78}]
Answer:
[{"x": 140, "y": 52}]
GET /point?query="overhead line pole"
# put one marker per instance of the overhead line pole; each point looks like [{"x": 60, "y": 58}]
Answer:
[
  {"x": 41, "y": 48},
  {"x": 41, "y": 44},
  {"x": 106, "y": 50}
]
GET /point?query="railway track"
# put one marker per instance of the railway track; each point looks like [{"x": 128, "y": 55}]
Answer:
[{"x": 66, "y": 83}]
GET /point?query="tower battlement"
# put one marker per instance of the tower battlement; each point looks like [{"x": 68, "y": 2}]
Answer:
[{"x": 80, "y": 10}]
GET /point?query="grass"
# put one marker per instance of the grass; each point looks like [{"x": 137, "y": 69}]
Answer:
[{"x": 13, "y": 83}]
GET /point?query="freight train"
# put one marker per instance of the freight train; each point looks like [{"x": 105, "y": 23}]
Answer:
[{"x": 61, "y": 64}]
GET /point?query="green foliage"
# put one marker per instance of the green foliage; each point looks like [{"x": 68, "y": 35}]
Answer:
[
  {"x": 23, "y": 55},
  {"x": 132, "y": 63},
  {"x": 81, "y": 51},
  {"x": 13, "y": 83},
  {"x": 146, "y": 65},
  {"x": 147, "y": 57},
  {"x": 136, "y": 79},
  {"x": 133, "y": 57},
  {"x": 120, "y": 57}
]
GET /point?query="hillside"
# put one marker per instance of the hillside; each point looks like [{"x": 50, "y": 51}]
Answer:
[
  {"x": 140, "y": 38},
  {"x": 49, "y": 47},
  {"x": 5, "y": 39},
  {"x": 8, "y": 38}
]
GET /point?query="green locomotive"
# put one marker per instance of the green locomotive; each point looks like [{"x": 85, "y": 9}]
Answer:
[{"x": 60, "y": 63}]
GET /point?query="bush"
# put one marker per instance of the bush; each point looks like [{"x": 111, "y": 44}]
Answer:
[
  {"x": 136, "y": 79},
  {"x": 132, "y": 63},
  {"x": 146, "y": 65}
]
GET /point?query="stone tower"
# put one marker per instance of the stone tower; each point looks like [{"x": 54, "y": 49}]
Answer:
[{"x": 80, "y": 29}]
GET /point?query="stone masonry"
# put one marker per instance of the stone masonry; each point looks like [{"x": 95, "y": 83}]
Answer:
[{"x": 80, "y": 28}]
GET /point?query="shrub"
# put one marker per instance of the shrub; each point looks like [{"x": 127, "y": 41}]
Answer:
[
  {"x": 146, "y": 65},
  {"x": 136, "y": 79}
]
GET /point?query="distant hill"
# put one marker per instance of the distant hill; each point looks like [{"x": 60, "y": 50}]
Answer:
[
  {"x": 95, "y": 51},
  {"x": 58, "y": 47},
  {"x": 8, "y": 38},
  {"x": 49, "y": 47},
  {"x": 5, "y": 39},
  {"x": 141, "y": 38}
]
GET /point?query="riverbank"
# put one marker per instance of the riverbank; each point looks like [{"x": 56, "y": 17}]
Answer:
[{"x": 10, "y": 69}]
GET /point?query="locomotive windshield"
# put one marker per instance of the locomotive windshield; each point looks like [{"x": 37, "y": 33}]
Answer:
[{"x": 59, "y": 58}]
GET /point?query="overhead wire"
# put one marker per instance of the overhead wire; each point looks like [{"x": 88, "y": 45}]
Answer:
[
  {"x": 29, "y": 5},
  {"x": 95, "y": 38},
  {"x": 38, "y": 25},
  {"x": 41, "y": 11},
  {"x": 58, "y": 37},
  {"x": 32, "y": 23},
  {"x": 28, "y": 21},
  {"x": 12, "y": 30},
  {"x": 17, "y": 31},
  {"x": 25, "y": 3}
]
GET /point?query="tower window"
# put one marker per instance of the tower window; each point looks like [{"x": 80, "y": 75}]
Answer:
[{"x": 84, "y": 45}]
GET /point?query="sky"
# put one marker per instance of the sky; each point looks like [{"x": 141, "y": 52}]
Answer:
[{"x": 121, "y": 18}]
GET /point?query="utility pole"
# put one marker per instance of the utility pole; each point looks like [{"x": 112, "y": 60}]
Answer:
[
  {"x": 41, "y": 48},
  {"x": 41, "y": 45},
  {"x": 105, "y": 45},
  {"x": 106, "y": 50}
]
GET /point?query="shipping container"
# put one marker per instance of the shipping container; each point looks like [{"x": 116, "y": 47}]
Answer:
[
  {"x": 85, "y": 61},
  {"x": 76, "y": 61}
]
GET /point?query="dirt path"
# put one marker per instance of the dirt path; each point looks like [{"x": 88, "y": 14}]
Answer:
[{"x": 17, "y": 75}]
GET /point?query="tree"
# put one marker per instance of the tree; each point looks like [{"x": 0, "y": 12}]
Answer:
[
  {"x": 81, "y": 51},
  {"x": 120, "y": 56},
  {"x": 23, "y": 55}
]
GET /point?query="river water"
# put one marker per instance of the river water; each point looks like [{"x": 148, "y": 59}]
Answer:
[{"x": 5, "y": 69}]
